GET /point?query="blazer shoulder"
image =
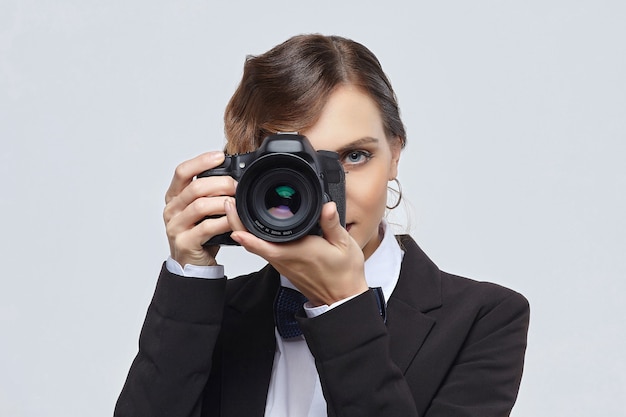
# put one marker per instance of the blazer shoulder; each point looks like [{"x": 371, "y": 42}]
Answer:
[
  {"x": 422, "y": 283},
  {"x": 487, "y": 294}
]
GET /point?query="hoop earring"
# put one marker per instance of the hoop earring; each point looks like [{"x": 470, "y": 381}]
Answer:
[{"x": 398, "y": 192}]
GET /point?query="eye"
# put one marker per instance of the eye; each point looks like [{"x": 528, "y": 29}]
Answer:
[{"x": 352, "y": 158}]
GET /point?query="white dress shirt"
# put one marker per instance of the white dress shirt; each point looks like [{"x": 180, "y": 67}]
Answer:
[{"x": 295, "y": 389}]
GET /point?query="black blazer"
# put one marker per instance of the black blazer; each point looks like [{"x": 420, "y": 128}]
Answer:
[{"x": 450, "y": 347}]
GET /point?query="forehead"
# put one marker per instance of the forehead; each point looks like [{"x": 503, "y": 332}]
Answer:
[{"x": 349, "y": 115}]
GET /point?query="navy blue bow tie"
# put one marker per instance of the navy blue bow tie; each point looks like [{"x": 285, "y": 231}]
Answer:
[{"x": 287, "y": 303}]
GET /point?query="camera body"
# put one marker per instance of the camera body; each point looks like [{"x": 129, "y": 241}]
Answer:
[{"x": 282, "y": 187}]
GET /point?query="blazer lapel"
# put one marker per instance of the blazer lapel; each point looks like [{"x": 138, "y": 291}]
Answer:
[
  {"x": 417, "y": 292},
  {"x": 249, "y": 346}
]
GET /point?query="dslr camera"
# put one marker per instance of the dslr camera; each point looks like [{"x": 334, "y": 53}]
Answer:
[{"x": 282, "y": 187}]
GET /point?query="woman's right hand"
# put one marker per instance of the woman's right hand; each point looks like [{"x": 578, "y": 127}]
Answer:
[{"x": 190, "y": 200}]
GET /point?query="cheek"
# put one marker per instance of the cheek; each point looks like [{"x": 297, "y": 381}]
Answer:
[{"x": 365, "y": 196}]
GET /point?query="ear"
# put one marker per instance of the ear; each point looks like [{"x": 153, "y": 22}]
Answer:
[{"x": 395, "y": 146}]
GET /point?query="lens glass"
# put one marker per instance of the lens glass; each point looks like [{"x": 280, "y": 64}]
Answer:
[
  {"x": 279, "y": 198},
  {"x": 282, "y": 201}
]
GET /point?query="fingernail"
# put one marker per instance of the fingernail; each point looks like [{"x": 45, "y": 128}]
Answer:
[
  {"x": 217, "y": 155},
  {"x": 235, "y": 236}
]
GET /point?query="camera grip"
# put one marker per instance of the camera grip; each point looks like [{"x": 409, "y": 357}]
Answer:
[{"x": 223, "y": 239}]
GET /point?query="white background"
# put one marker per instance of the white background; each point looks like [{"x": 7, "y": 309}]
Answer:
[{"x": 515, "y": 172}]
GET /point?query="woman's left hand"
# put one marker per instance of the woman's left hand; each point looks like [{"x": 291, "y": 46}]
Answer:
[{"x": 325, "y": 269}]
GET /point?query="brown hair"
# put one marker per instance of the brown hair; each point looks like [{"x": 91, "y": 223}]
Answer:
[{"x": 285, "y": 89}]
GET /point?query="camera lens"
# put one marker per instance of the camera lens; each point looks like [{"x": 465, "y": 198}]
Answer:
[
  {"x": 282, "y": 202},
  {"x": 279, "y": 197}
]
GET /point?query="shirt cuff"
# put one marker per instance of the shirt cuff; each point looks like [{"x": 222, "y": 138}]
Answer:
[
  {"x": 194, "y": 271},
  {"x": 319, "y": 310}
]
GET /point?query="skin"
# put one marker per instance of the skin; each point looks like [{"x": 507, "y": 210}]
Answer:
[{"x": 325, "y": 269}]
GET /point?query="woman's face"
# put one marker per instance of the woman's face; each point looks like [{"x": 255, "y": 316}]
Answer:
[{"x": 351, "y": 125}]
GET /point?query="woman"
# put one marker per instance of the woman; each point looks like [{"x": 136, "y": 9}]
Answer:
[{"x": 442, "y": 346}]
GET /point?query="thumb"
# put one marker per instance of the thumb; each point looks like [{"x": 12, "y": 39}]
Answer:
[{"x": 331, "y": 227}]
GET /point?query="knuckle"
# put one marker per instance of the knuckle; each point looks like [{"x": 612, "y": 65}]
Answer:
[
  {"x": 182, "y": 241},
  {"x": 179, "y": 243},
  {"x": 170, "y": 226},
  {"x": 206, "y": 228},
  {"x": 182, "y": 170},
  {"x": 167, "y": 210},
  {"x": 201, "y": 206}
]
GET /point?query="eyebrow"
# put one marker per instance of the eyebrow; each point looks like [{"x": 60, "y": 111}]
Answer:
[{"x": 367, "y": 140}]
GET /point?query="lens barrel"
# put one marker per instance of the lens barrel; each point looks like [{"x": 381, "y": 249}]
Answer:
[{"x": 279, "y": 197}]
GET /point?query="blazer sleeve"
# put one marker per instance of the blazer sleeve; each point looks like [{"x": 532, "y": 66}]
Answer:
[
  {"x": 170, "y": 371},
  {"x": 481, "y": 357},
  {"x": 351, "y": 350},
  {"x": 484, "y": 378}
]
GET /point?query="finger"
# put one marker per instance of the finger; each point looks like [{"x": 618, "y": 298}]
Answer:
[
  {"x": 202, "y": 187},
  {"x": 231, "y": 214},
  {"x": 194, "y": 213},
  {"x": 331, "y": 227},
  {"x": 203, "y": 231},
  {"x": 186, "y": 171},
  {"x": 254, "y": 245}
]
